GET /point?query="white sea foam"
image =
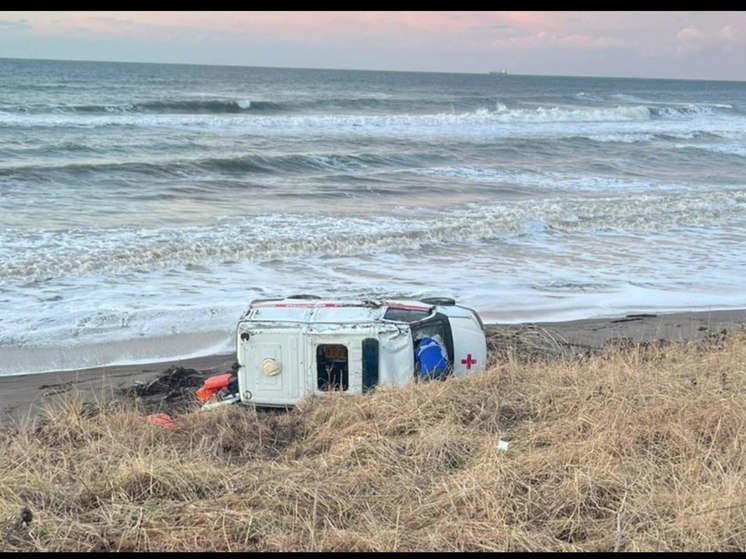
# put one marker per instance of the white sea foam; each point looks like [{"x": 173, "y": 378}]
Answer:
[
  {"x": 501, "y": 114},
  {"x": 76, "y": 252},
  {"x": 635, "y": 99},
  {"x": 546, "y": 181},
  {"x": 730, "y": 149}
]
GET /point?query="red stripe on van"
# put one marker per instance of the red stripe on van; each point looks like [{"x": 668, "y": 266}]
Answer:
[{"x": 303, "y": 305}]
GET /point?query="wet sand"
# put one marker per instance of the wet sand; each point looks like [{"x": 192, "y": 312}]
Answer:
[{"x": 24, "y": 395}]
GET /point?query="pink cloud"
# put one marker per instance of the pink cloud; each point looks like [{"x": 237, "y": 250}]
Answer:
[
  {"x": 732, "y": 34},
  {"x": 693, "y": 39},
  {"x": 689, "y": 33},
  {"x": 293, "y": 25},
  {"x": 482, "y": 34}
]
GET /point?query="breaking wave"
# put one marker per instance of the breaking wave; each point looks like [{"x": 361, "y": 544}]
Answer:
[
  {"x": 226, "y": 115},
  {"x": 187, "y": 106},
  {"x": 78, "y": 252},
  {"x": 238, "y": 164}
]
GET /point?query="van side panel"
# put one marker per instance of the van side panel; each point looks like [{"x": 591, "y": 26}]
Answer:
[{"x": 396, "y": 357}]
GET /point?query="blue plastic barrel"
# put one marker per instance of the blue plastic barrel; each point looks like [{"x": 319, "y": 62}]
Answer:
[{"x": 430, "y": 358}]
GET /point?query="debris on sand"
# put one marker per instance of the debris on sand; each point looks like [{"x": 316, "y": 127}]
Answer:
[
  {"x": 529, "y": 342},
  {"x": 160, "y": 420},
  {"x": 171, "y": 391}
]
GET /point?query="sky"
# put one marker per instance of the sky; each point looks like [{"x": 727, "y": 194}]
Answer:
[{"x": 662, "y": 44}]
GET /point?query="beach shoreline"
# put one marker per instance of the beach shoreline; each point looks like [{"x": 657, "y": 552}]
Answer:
[{"x": 24, "y": 395}]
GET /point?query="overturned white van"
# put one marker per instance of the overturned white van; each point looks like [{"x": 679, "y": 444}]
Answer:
[{"x": 288, "y": 348}]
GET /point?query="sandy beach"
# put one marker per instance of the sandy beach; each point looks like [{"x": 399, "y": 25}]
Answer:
[{"x": 23, "y": 395}]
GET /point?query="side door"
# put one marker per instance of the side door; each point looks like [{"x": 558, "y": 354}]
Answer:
[{"x": 336, "y": 358}]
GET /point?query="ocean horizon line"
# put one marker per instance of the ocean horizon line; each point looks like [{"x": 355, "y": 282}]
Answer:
[{"x": 486, "y": 72}]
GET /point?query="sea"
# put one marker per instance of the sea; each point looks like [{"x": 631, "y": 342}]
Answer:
[{"x": 144, "y": 206}]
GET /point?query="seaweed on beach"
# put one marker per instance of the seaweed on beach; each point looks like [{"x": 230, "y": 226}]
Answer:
[
  {"x": 171, "y": 391},
  {"x": 529, "y": 342}
]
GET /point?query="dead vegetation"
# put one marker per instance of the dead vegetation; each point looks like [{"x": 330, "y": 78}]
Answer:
[{"x": 634, "y": 448}]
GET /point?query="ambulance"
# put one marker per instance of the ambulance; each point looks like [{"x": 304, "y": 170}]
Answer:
[{"x": 292, "y": 347}]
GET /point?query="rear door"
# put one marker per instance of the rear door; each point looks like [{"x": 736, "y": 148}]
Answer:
[{"x": 273, "y": 367}]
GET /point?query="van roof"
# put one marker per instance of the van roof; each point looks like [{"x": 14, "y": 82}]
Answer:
[{"x": 335, "y": 311}]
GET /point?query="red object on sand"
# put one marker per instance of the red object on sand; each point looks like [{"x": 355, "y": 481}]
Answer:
[{"x": 161, "y": 420}]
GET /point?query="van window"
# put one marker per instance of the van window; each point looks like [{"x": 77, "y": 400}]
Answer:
[
  {"x": 405, "y": 315},
  {"x": 370, "y": 364},
  {"x": 332, "y": 371}
]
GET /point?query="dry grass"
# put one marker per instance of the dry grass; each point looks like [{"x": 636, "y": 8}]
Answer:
[{"x": 637, "y": 449}]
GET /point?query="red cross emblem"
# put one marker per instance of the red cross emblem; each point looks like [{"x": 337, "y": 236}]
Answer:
[{"x": 468, "y": 361}]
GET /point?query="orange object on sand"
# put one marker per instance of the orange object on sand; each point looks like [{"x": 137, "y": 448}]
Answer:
[
  {"x": 218, "y": 382},
  {"x": 161, "y": 420},
  {"x": 213, "y": 385},
  {"x": 204, "y": 394}
]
